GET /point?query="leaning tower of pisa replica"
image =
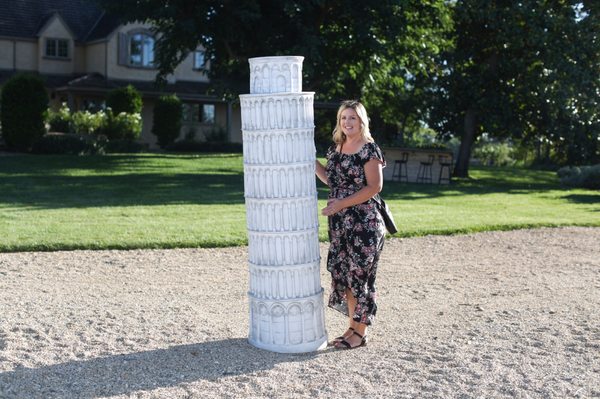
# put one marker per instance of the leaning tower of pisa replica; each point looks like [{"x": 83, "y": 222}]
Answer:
[{"x": 285, "y": 296}]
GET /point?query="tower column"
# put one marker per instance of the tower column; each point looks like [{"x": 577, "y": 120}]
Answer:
[{"x": 285, "y": 295}]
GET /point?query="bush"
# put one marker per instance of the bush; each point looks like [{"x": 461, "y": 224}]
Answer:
[
  {"x": 84, "y": 122},
  {"x": 580, "y": 176},
  {"x": 167, "y": 119},
  {"x": 120, "y": 127},
  {"x": 23, "y": 106},
  {"x": 59, "y": 120},
  {"x": 68, "y": 143},
  {"x": 216, "y": 135},
  {"x": 498, "y": 154},
  {"x": 125, "y": 99},
  {"x": 124, "y": 146}
]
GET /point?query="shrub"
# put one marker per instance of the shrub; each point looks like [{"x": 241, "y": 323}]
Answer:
[
  {"x": 125, "y": 99},
  {"x": 121, "y": 126},
  {"x": 493, "y": 153},
  {"x": 124, "y": 146},
  {"x": 23, "y": 106},
  {"x": 216, "y": 135},
  {"x": 167, "y": 119},
  {"x": 59, "y": 120},
  {"x": 580, "y": 176},
  {"x": 68, "y": 143},
  {"x": 84, "y": 122}
]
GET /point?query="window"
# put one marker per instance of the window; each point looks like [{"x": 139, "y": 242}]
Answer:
[
  {"x": 190, "y": 112},
  {"x": 141, "y": 50},
  {"x": 57, "y": 48},
  {"x": 202, "y": 113},
  {"x": 208, "y": 114},
  {"x": 199, "y": 59}
]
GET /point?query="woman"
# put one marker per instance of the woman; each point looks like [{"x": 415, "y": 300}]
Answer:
[{"x": 356, "y": 229}]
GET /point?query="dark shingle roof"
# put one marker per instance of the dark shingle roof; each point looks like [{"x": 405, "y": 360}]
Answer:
[
  {"x": 24, "y": 18},
  {"x": 98, "y": 83}
]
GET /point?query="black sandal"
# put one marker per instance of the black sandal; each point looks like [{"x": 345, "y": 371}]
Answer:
[
  {"x": 363, "y": 342},
  {"x": 340, "y": 338}
]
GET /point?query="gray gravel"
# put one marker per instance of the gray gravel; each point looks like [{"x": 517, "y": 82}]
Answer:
[{"x": 493, "y": 315}]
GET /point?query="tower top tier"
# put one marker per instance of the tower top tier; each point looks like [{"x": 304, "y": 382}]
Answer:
[{"x": 276, "y": 74}]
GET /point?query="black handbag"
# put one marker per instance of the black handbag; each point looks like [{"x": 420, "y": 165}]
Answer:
[{"x": 386, "y": 214}]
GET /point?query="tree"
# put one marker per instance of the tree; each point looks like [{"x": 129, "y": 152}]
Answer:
[
  {"x": 525, "y": 70},
  {"x": 351, "y": 51},
  {"x": 23, "y": 106}
]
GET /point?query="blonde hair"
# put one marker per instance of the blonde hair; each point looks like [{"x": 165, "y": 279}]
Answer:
[{"x": 338, "y": 135}]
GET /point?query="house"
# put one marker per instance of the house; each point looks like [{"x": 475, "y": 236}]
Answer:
[{"x": 82, "y": 52}]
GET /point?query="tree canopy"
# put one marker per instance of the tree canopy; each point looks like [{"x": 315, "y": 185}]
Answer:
[
  {"x": 522, "y": 69},
  {"x": 527, "y": 70},
  {"x": 376, "y": 51}
]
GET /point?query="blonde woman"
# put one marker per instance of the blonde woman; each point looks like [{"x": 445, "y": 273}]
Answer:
[{"x": 356, "y": 229}]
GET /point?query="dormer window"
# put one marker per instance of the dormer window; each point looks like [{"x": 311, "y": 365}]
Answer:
[
  {"x": 136, "y": 49},
  {"x": 57, "y": 48}
]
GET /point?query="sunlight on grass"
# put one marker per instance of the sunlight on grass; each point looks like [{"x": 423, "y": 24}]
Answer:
[{"x": 170, "y": 201}]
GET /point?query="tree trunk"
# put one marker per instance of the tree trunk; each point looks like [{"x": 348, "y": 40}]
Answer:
[{"x": 461, "y": 169}]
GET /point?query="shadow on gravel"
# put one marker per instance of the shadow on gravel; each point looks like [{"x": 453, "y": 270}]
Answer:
[{"x": 142, "y": 371}]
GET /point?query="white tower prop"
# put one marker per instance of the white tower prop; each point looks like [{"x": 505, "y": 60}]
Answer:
[{"x": 286, "y": 298}]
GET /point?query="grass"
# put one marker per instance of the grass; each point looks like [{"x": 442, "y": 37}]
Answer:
[{"x": 170, "y": 201}]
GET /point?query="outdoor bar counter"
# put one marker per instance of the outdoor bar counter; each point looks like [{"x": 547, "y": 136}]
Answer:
[{"x": 441, "y": 160}]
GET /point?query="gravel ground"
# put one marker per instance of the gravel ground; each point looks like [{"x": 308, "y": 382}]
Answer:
[{"x": 493, "y": 315}]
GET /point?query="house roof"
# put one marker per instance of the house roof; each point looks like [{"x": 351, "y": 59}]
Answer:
[
  {"x": 97, "y": 84},
  {"x": 24, "y": 18}
]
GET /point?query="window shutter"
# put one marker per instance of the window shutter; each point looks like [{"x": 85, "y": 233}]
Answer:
[{"x": 123, "y": 50}]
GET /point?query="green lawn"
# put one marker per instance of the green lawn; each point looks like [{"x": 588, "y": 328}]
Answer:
[{"x": 168, "y": 201}]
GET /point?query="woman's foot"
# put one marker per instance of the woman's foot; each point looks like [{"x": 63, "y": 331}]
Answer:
[
  {"x": 355, "y": 340},
  {"x": 346, "y": 335}
]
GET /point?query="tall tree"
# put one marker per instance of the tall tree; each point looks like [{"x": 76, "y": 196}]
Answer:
[
  {"x": 524, "y": 69},
  {"x": 352, "y": 49}
]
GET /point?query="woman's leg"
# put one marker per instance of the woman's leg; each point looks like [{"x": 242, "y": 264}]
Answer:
[
  {"x": 360, "y": 328},
  {"x": 351, "y": 304}
]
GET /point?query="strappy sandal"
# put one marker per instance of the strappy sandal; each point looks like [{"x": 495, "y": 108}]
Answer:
[
  {"x": 340, "y": 338},
  {"x": 347, "y": 345}
]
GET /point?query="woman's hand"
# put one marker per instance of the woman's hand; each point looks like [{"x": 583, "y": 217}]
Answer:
[{"x": 333, "y": 206}]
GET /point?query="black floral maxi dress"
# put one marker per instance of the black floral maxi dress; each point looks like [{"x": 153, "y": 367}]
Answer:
[{"x": 356, "y": 234}]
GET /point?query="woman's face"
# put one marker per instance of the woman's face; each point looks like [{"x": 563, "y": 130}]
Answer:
[{"x": 350, "y": 122}]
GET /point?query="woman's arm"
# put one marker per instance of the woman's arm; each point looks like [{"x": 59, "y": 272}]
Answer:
[
  {"x": 320, "y": 170},
  {"x": 374, "y": 176}
]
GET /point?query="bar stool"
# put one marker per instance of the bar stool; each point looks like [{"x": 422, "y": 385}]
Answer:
[
  {"x": 425, "y": 175},
  {"x": 400, "y": 168},
  {"x": 445, "y": 164}
]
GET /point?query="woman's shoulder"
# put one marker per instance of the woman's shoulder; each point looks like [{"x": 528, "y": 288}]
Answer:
[
  {"x": 370, "y": 148},
  {"x": 372, "y": 151},
  {"x": 373, "y": 146}
]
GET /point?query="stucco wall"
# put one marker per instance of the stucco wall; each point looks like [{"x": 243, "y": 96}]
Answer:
[
  {"x": 235, "y": 128},
  {"x": 80, "y": 59},
  {"x": 147, "y": 111},
  {"x": 116, "y": 71},
  {"x": 95, "y": 58},
  {"x": 55, "y": 30},
  {"x": 6, "y": 54},
  {"x": 27, "y": 55},
  {"x": 184, "y": 71}
]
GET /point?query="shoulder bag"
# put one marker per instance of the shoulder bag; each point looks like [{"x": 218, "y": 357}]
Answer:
[{"x": 386, "y": 214}]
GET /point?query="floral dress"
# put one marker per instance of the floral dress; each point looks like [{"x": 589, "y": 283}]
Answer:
[{"x": 356, "y": 234}]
